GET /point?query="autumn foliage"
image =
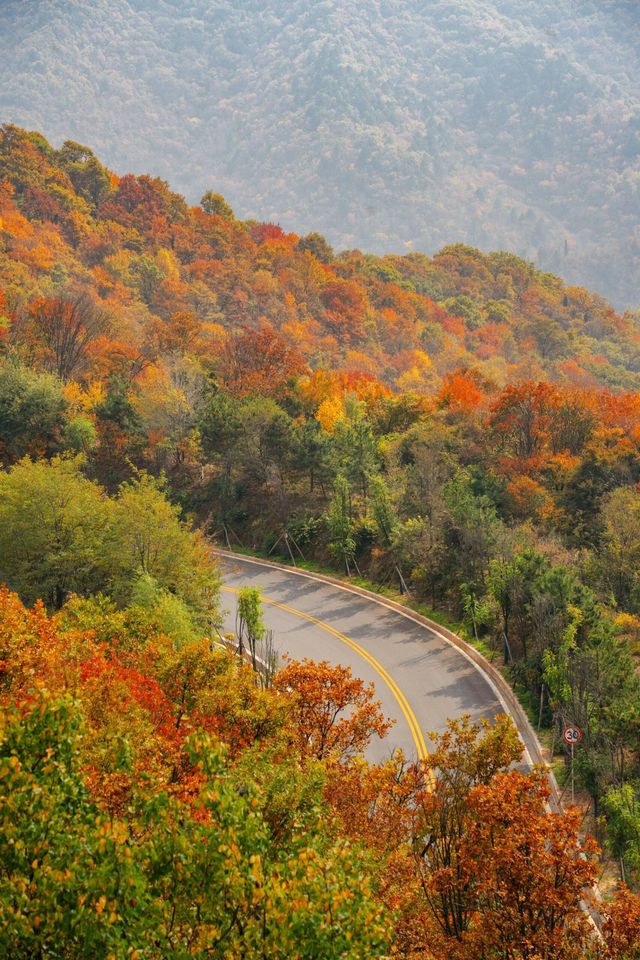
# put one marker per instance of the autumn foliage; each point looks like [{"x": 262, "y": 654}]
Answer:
[
  {"x": 336, "y": 715},
  {"x": 463, "y": 854},
  {"x": 462, "y": 427}
]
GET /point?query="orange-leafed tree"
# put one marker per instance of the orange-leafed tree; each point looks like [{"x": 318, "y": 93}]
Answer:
[
  {"x": 528, "y": 872},
  {"x": 179, "y": 335},
  {"x": 335, "y": 714},
  {"x": 345, "y": 303},
  {"x": 465, "y": 756},
  {"x": 259, "y": 362},
  {"x": 521, "y": 418},
  {"x": 621, "y": 929},
  {"x": 378, "y": 804},
  {"x": 463, "y": 389},
  {"x": 499, "y": 875}
]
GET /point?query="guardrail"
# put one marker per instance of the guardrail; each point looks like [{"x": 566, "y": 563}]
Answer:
[{"x": 230, "y": 643}]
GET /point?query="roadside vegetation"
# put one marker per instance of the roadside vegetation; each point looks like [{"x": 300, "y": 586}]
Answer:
[{"x": 158, "y": 799}]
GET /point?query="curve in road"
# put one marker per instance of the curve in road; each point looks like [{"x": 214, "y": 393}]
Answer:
[
  {"x": 385, "y": 677},
  {"x": 421, "y": 678}
]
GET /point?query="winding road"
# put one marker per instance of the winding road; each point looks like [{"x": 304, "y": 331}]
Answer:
[{"x": 421, "y": 676}]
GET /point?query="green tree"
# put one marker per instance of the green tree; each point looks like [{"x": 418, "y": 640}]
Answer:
[
  {"x": 312, "y": 453},
  {"x": 69, "y": 886},
  {"x": 511, "y": 583},
  {"x": 592, "y": 682},
  {"x": 169, "y": 612},
  {"x": 317, "y": 245},
  {"x": 148, "y": 537},
  {"x": 342, "y": 543},
  {"x": 420, "y": 548},
  {"x": 618, "y": 556},
  {"x": 466, "y": 307},
  {"x": 597, "y": 474},
  {"x": 172, "y": 879},
  {"x": 215, "y": 204},
  {"x": 386, "y": 521},
  {"x": 221, "y": 430},
  {"x": 470, "y": 531},
  {"x": 61, "y": 534},
  {"x": 80, "y": 435},
  {"x": 383, "y": 512},
  {"x": 249, "y": 622},
  {"x": 90, "y": 179},
  {"x": 54, "y": 531},
  {"x": 355, "y": 447},
  {"x": 220, "y": 425},
  {"x": 480, "y": 612},
  {"x": 32, "y": 412},
  {"x": 148, "y": 275},
  {"x": 622, "y": 807}
]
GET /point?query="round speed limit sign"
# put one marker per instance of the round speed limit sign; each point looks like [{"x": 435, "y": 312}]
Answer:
[{"x": 572, "y": 735}]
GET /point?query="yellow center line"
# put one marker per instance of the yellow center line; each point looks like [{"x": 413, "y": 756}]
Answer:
[{"x": 401, "y": 700}]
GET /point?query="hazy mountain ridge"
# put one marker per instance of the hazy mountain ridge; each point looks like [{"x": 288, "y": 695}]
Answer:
[{"x": 387, "y": 126}]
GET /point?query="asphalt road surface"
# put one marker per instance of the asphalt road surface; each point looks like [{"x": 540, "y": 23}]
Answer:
[{"x": 420, "y": 678}]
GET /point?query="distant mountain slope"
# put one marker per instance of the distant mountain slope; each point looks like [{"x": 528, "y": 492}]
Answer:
[{"x": 387, "y": 124}]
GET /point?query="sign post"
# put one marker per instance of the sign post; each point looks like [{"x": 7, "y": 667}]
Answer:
[
  {"x": 573, "y": 794},
  {"x": 571, "y": 735}
]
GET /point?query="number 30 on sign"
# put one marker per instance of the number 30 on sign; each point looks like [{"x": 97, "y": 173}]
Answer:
[{"x": 572, "y": 735}]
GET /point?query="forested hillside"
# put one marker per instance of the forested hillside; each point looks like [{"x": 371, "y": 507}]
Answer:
[
  {"x": 386, "y": 125},
  {"x": 462, "y": 423}
]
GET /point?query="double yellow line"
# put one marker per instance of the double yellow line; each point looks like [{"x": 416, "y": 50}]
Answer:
[{"x": 401, "y": 700}]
